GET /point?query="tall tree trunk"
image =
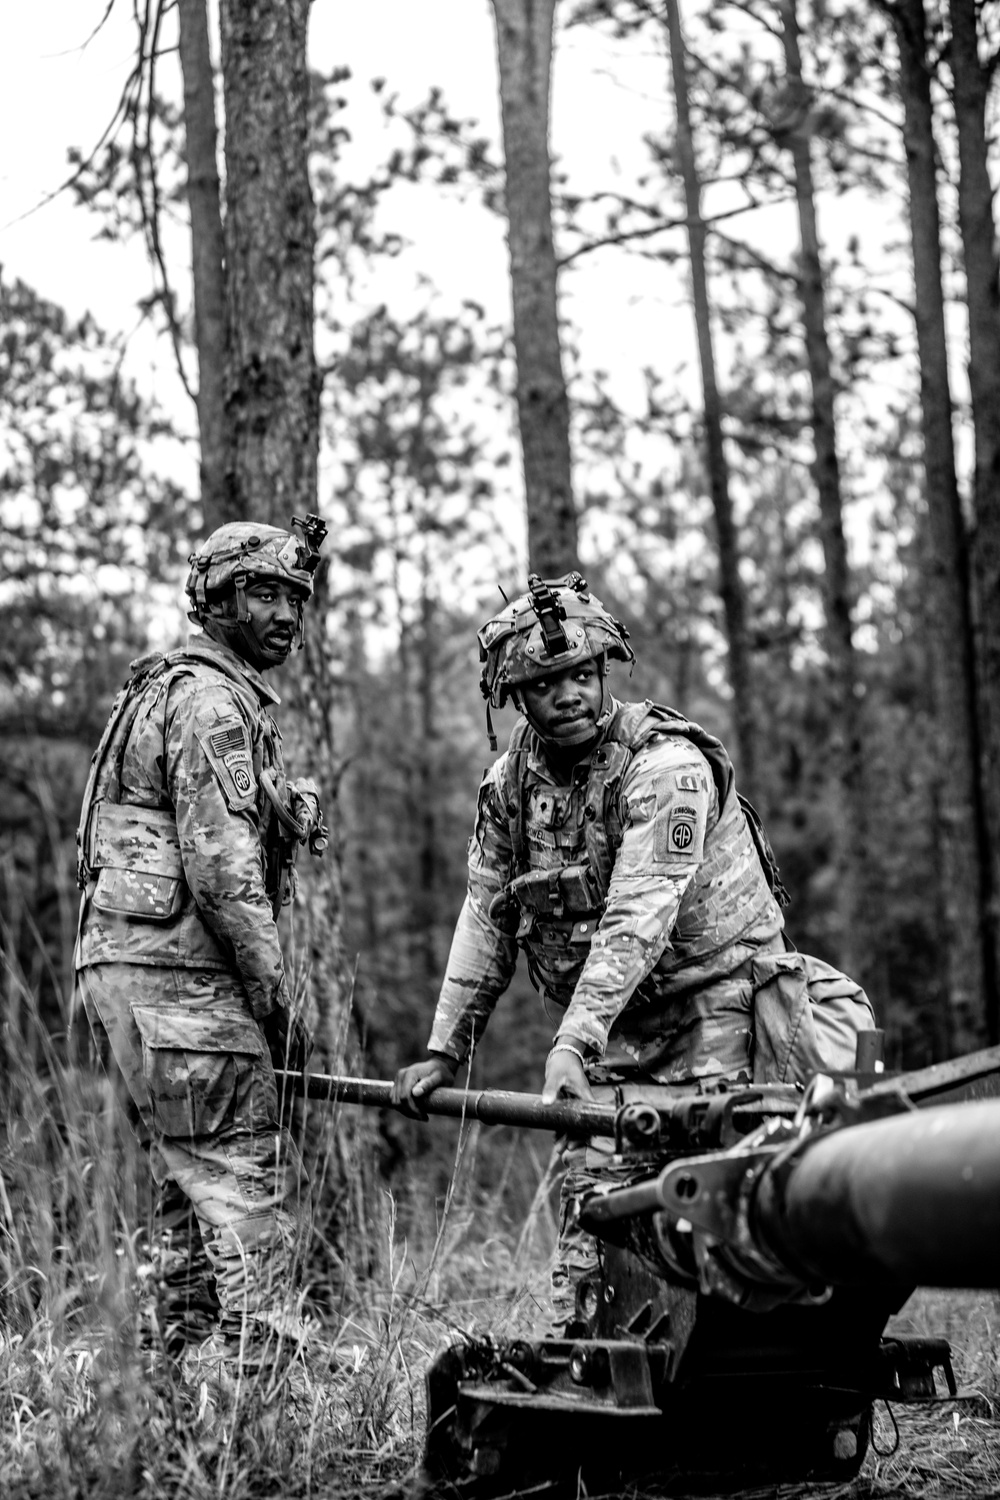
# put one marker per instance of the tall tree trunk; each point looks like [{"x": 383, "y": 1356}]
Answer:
[
  {"x": 979, "y": 247},
  {"x": 851, "y": 831},
  {"x": 730, "y": 583},
  {"x": 524, "y": 51},
  {"x": 211, "y": 318},
  {"x": 964, "y": 854},
  {"x": 414, "y": 726},
  {"x": 273, "y": 395},
  {"x": 427, "y": 788},
  {"x": 273, "y": 401}
]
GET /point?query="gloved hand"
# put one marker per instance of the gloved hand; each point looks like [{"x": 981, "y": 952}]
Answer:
[
  {"x": 289, "y": 1040},
  {"x": 303, "y": 797}
]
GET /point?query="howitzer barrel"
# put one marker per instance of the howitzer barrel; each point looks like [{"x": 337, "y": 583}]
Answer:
[
  {"x": 491, "y": 1106},
  {"x": 913, "y": 1199}
]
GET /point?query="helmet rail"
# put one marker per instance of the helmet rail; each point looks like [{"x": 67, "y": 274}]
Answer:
[{"x": 556, "y": 624}]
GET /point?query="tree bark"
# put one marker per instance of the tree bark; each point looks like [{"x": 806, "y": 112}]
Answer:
[
  {"x": 211, "y": 318},
  {"x": 273, "y": 391},
  {"x": 524, "y": 51},
  {"x": 730, "y": 583},
  {"x": 850, "y": 834},
  {"x": 272, "y": 407},
  {"x": 946, "y": 566},
  {"x": 982, "y": 276}
]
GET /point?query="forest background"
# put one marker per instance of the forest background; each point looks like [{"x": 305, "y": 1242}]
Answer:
[{"x": 742, "y": 368}]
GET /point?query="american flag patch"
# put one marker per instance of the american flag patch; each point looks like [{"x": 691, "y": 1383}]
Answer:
[{"x": 226, "y": 740}]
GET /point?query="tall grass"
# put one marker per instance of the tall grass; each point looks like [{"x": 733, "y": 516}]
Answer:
[{"x": 92, "y": 1404}]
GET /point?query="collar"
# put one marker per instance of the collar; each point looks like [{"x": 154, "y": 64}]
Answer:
[
  {"x": 539, "y": 763},
  {"x": 207, "y": 649}
]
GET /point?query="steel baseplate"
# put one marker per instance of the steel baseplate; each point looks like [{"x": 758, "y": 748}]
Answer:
[{"x": 685, "y": 1392}]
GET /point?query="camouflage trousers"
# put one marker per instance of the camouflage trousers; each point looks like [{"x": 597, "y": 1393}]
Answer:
[
  {"x": 717, "y": 1049},
  {"x": 586, "y": 1164},
  {"x": 204, "y": 1105}
]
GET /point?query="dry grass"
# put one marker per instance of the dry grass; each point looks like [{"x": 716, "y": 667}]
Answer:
[
  {"x": 950, "y": 1448},
  {"x": 90, "y": 1407}
]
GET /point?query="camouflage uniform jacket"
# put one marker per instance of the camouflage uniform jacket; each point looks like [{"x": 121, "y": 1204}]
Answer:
[
  {"x": 687, "y": 900},
  {"x": 177, "y": 839}
]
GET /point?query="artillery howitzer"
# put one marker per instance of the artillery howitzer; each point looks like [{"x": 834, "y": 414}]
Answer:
[{"x": 752, "y": 1259}]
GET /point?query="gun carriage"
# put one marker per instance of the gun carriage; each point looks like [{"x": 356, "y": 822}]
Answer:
[{"x": 759, "y": 1244}]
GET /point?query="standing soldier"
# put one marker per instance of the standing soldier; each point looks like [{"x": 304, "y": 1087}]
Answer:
[
  {"x": 186, "y": 839},
  {"x": 611, "y": 845}
]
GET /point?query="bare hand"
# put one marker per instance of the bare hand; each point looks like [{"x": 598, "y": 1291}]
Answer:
[
  {"x": 412, "y": 1085},
  {"x": 565, "y": 1078}
]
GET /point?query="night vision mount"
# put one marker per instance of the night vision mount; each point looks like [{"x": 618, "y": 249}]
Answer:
[
  {"x": 549, "y": 609},
  {"x": 314, "y": 533}
]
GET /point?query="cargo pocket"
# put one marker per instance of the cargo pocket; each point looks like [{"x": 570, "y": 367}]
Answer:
[
  {"x": 204, "y": 1072},
  {"x": 133, "y": 893},
  {"x": 137, "y": 857}
]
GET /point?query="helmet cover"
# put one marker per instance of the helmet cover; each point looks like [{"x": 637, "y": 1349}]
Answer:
[
  {"x": 555, "y": 625},
  {"x": 240, "y": 551}
]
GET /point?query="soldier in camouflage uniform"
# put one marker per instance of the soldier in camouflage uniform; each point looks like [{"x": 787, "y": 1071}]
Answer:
[
  {"x": 611, "y": 845},
  {"x": 186, "y": 837}
]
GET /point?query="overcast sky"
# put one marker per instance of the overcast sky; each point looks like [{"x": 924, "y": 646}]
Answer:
[{"x": 59, "y": 89}]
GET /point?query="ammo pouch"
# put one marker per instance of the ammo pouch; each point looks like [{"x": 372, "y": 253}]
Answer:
[
  {"x": 569, "y": 892},
  {"x": 550, "y": 895},
  {"x": 807, "y": 1016},
  {"x": 135, "y": 854}
]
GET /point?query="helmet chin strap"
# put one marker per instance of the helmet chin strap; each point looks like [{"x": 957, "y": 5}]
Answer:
[
  {"x": 604, "y": 717},
  {"x": 243, "y": 623},
  {"x": 585, "y": 735},
  {"x": 238, "y": 635},
  {"x": 241, "y": 629}
]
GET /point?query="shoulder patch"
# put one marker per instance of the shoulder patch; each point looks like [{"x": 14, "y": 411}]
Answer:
[
  {"x": 229, "y": 753},
  {"x": 230, "y": 740},
  {"x": 681, "y": 830},
  {"x": 681, "y": 813}
]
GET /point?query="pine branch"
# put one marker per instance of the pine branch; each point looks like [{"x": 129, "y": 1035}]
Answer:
[
  {"x": 152, "y": 215},
  {"x": 628, "y": 236},
  {"x": 118, "y": 118},
  {"x": 762, "y": 262}
]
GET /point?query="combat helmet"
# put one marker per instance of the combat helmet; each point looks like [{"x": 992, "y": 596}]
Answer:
[
  {"x": 556, "y": 624},
  {"x": 241, "y": 551}
]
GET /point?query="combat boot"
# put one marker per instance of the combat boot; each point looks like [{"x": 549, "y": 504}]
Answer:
[{"x": 273, "y": 1353}]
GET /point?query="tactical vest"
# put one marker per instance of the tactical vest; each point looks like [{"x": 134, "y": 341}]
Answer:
[
  {"x": 128, "y": 855},
  {"x": 578, "y": 896}
]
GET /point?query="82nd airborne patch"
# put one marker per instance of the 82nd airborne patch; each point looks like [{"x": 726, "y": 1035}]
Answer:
[
  {"x": 681, "y": 829},
  {"x": 239, "y": 768}
]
